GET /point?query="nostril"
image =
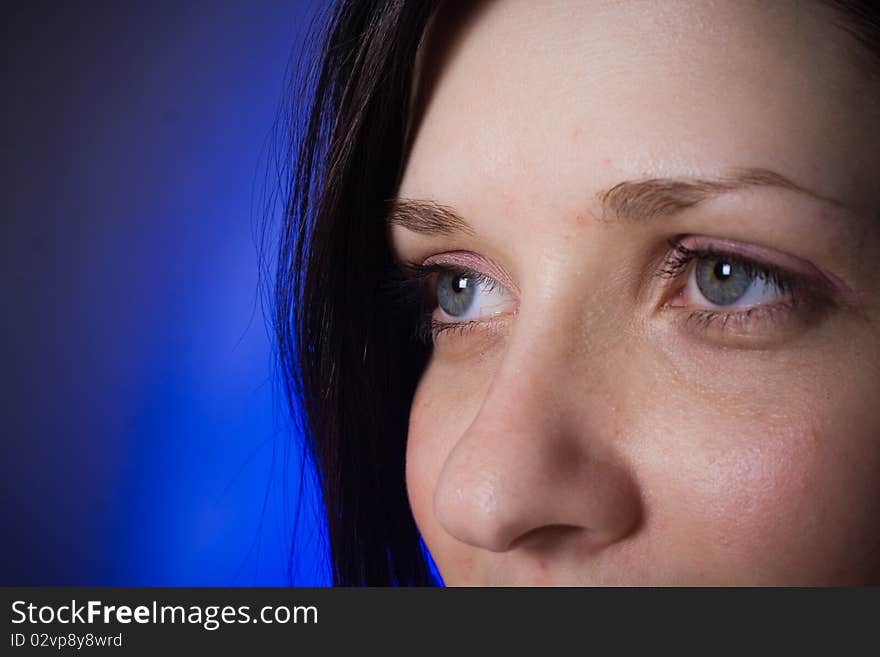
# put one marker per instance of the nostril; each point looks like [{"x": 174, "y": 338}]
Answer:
[{"x": 547, "y": 537}]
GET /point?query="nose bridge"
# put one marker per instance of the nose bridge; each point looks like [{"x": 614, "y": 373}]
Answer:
[{"x": 537, "y": 454}]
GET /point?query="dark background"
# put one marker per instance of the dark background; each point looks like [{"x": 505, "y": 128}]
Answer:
[{"x": 142, "y": 429}]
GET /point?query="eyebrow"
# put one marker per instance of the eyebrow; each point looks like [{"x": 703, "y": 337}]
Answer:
[
  {"x": 427, "y": 217},
  {"x": 629, "y": 200}
]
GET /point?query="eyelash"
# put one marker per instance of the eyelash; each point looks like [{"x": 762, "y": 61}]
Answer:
[
  {"x": 414, "y": 288},
  {"x": 681, "y": 256},
  {"x": 415, "y": 280}
]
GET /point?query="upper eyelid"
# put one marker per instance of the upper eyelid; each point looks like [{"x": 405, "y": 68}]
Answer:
[
  {"x": 736, "y": 257},
  {"x": 692, "y": 255},
  {"x": 748, "y": 252},
  {"x": 424, "y": 271},
  {"x": 478, "y": 264},
  {"x": 479, "y": 277}
]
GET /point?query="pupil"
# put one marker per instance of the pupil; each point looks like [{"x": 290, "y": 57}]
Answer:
[
  {"x": 723, "y": 270},
  {"x": 460, "y": 284}
]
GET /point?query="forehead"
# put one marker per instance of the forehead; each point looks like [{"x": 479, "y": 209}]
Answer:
[{"x": 548, "y": 101}]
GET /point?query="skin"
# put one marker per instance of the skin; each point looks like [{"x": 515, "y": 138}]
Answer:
[{"x": 590, "y": 433}]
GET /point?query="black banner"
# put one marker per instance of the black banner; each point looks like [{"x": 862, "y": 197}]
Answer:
[{"x": 288, "y": 621}]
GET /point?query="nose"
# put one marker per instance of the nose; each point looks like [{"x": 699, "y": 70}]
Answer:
[{"x": 538, "y": 464}]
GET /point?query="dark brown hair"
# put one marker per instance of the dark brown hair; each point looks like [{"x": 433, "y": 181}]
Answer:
[
  {"x": 346, "y": 353},
  {"x": 346, "y": 356}
]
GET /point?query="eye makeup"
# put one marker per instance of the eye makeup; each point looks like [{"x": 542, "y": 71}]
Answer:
[{"x": 469, "y": 261}]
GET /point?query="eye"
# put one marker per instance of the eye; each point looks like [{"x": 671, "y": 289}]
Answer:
[
  {"x": 742, "y": 293},
  {"x": 449, "y": 296},
  {"x": 725, "y": 282},
  {"x": 464, "y": 296}
]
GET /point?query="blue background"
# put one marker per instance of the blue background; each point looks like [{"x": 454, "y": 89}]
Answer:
[{"x": 143, "y": 429}]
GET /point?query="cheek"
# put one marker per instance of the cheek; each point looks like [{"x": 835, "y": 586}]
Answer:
[
  {"x": 759, "y": 497},
  {"x": 828, "y": 516}
]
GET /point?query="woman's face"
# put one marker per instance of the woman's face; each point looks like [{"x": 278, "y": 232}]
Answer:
[{"x": 657, "y": 357}]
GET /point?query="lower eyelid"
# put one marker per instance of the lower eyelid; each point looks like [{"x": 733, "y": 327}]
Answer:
[
  {"x": 754, "y": 327},
  {"x": 489, "y": 328}
]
